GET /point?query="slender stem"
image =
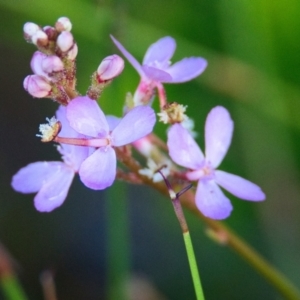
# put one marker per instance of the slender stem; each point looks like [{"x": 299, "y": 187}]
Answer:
[
  {"x": 278, "y": 280},
  {"x": 193, "y": 265},
  {"x": 189, "y": 249},
  {"x": 186, "y": 237},
  {"x": 11, "y": 288}
]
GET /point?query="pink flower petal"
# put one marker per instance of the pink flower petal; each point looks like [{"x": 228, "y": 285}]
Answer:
[
  {"x": 186, "y": 69},
  {"x": 160, "y": 51},
  {"x": 211, "y": 201},
  {"x": 183, "y": 149},
  {"x": 129, "y": 57},
  {"x": 98, "y": 171},
  {"x": 31, "y": 178},
  {"x": 218, "y": 134},
  {"x": 156, "y": 74},
  {"x": 136, "y": 124},
  {"x": 54, "y": 191},
  {"x": 86, "y": 117},
  {"x": 239, "y": 187}
]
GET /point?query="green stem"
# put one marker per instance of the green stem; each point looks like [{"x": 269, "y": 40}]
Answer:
[
  {"x": 11, "y": 288},
  {"x": 186, "y": 236},
  {"x": 189, "y": 247},
  {"x": 193, "y": 265}
]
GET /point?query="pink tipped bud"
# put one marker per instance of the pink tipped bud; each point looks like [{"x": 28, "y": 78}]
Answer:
[
  {"x": 37, "y": 86},
  {"x": 29, "y": 30},
  {"x": 110, "y": 67},
  {"x": 36, "y": 63},
  {"x": 52, "y": 64},
  {"x": 63, "y": 24},
  {"x": 65, "y": 41},
  {"x": 40, "y": 38},
  {"x": 73, "y": 52}
]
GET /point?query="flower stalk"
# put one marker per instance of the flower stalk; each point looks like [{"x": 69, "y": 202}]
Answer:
[{"x": 186, "y": 237}]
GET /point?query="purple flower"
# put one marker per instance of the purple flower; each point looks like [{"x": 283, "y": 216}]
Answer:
[
  {"x": 98, "y": 171},
  {"x": 52, "y": 180},
  {"x": 157, "y": 69},
  {"x": 157, "y": 66},
  {"x": 183, "y": 149}
]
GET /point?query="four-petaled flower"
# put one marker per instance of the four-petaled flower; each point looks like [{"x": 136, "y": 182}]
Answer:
[
  {"x": 98, "y": 171},
  {"x": 183, "y": 149},
  {"x": 52, "y": 180},
  {"x": 156, "y": 67}
]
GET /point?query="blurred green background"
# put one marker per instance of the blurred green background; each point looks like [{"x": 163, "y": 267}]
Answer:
[{"x": 98, "y": 239}]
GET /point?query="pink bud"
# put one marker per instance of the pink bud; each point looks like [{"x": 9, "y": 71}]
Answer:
[
  {"x": 29, "y": 30},
  {"x": 73, "y": 52},
  {"x": 63, "y": 24},
  {"x": 39, "y": 38},
  {"x": 52, "y": 64},
  {"x": 36, "y": 63},
  {"x": 65, "y": 41},
  {"x": 110, "y": 67},
  {"x": 51, "y": 32},
  {"x": 37, "y": 86}
]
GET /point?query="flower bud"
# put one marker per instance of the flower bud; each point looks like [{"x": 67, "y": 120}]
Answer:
[
  {"x": 65, "y": 41},
  {"x": 51, "y": 32},
  {"x": 110, "y": 67},
  {"x": 63, "y": 24},
  {"x": 52, "y": 64},
  {"x": 40, "y": 38},
  {"x": 37, "y": 86},
  {"x": 73, "y": 52},
  {"x": 29, "y": 30},
  {"x": 36, "y": 63}
]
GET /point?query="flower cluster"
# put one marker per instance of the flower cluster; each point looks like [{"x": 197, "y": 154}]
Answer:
[{"x": 88, "y": 140}]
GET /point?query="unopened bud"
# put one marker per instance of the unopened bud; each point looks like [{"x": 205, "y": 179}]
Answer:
[
  {"x": 52, "y": 64},
  {"x": 37, "y": 86},
  {"x": 36, "y": 63},
  {"x": 65, "y": 41},
  {"x": 51, "y": 32},
  {"x": 73, "y": 52},
  {"x": 110, "y": 67},
  {"x": 40, "y": 38},
  {"x": 29, "y": 30},
  {"x": 63, "y": 24}
]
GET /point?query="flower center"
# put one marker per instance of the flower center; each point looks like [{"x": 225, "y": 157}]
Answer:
[{"x": 206, "y": 172}]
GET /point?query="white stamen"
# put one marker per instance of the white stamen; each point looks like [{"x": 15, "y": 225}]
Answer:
[{"x": 48, "y": 131}]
